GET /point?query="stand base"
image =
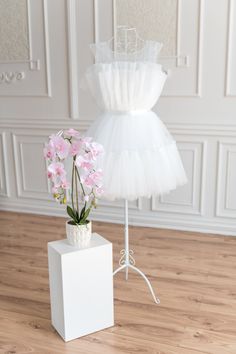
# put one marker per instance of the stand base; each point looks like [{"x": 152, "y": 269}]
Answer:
[{"x": 126, "y": 264}]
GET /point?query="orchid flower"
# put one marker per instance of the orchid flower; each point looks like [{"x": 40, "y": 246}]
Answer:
[
  {"x": 86, "y": 182},
  {"x": 60, "y": 146}
]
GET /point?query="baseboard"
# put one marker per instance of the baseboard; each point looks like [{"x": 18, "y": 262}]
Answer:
[{"x": 136, "y": 218}]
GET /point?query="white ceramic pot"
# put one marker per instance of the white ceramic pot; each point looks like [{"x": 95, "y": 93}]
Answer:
[{"x": 78, "y": 235}]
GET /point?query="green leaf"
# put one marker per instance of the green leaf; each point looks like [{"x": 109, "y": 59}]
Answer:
[
  {"x": 77, "y": 215},
  {"x": 72, "y": 222},
  {"x": 86, "y": 214},
  {"x": 71, "y": 213},
  {"x": 82, "y": 213}
]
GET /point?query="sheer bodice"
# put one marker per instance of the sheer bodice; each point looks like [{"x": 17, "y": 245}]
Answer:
[{"x": 126, "y": 86}]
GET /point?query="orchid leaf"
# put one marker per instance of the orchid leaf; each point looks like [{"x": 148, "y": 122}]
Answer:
[
  {"x": 82, "y": 213},
  {"x": 86, "y": 214},
  {"x": 71, "y": 213}
]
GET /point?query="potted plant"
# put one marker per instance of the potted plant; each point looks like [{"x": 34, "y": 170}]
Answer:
[{"x": 86, "y": 179}]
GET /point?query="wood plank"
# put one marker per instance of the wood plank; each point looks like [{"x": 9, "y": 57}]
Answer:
[{"x": 193, "y": 274}]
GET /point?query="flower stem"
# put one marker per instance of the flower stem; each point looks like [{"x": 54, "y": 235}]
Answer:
[
  {"x": 82, "y": 187},
  {"x": 72, "y": 186},
  {"x": 76, "y": 191}
]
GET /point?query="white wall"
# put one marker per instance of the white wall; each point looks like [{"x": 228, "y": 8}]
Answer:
[{"x": 198, "y": 105}]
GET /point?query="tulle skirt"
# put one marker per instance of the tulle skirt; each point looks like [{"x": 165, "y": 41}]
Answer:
[{"x": 141, "y": 158}]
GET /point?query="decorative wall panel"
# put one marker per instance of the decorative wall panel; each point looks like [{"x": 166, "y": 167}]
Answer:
[
  {"x": 188, "y": 198},
  {"x": 14, "y": 41},
  {"x": 39, "y": 84},
  {"x": 30, "y": 166},
  {"x": 153, "y": 19},
  {"x": 230, "y": 80},
  {"x": 39, "y": 94}
]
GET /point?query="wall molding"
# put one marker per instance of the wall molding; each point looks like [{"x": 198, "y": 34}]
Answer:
[
  {"x": 205, "y": 129},
  {"x": 33, "y": 64},
  {"x": 197, "y": 204},
  {"x": 179, "y": 58},
  {"x": 72, "y": 58},
  {"x": 10, "y": 77},
  {"x": 47, "y": 49},
  {"x": 95, "y": 20},
  {"x": 230, "y": 38},
  {"x": 225, "y": 148},
  {"x": 45, "y": 123},
  {"x": 4, "y": 177},
  {"x": 22, "y": 190}
]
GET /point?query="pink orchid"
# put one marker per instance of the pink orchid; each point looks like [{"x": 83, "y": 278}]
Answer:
[
  {"x": 75, "y": 148},
  {"x": 60, "y": 145},
  {"x": 96, "y": 149},
  {"x": 49, "y": 152},
  {"x": 99, "y": 191},
  {"x": 83, "y": 163},
  {"x": 65, "y": 184},
  {"x": 86, "y": 140},
  {"x": 72, "y": 132},
  {"x": 93, "y": 151},
  {"x": 55, "y": 190},
  {"x": 57, "y": 169},
  {"x": 93, "y": 179},
  {"x": 86, "y": 179}
]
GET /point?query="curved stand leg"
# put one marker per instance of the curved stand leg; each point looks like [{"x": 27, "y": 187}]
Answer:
[
  {"x": 127, "y": 266},
  {"x": 127, "y": 260},
  {"x": 119, "y": 269},
  {"x": 157, "y": 301}
]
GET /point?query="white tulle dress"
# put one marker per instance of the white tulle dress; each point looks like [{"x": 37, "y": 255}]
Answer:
[{"x": 141, "y": 158}]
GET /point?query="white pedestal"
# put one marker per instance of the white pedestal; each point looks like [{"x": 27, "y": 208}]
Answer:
[{"x": 81, "y": 287}]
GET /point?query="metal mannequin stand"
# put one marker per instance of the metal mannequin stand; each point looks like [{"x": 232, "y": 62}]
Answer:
[
  {"x": 125, "y": 41},
  {"x": 127, "y": 260}
]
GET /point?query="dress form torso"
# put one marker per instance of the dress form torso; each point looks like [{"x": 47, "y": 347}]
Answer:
[{"x": 141, "y": 158}]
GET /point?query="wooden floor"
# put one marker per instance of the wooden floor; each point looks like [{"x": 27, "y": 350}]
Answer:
[{"x": 193, "y": 274}]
